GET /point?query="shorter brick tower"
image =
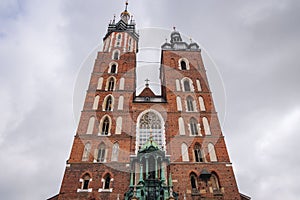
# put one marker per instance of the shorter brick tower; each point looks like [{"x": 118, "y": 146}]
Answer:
[{"x": 131, "y": 146}]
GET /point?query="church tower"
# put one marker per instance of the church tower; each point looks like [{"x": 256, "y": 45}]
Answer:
[{"x": 131, "y": 146}]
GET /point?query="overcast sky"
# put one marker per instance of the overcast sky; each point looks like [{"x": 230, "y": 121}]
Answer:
[{"x": 255, "y": 45}]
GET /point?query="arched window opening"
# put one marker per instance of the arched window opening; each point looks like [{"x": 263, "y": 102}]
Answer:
[
  {"x": 100, "y": 81},
  {"x": 206, "y": 126},
  {"x": 86, "y": 152},
  {"x": 178, "y": 101},
  {"x": 184, "y": 152},
  {"x": 90, "y": 127},
  {"x": 202, "y": 105},
  {"x": 122, "y": 83},
  {"x": 86, "y": 181},
  {"x": 215, "y": 182},
  {"x": 181, "y": 126},
  {"x": 194, "y": 126},
  {"x": 113, "y": 68},
  {"x": 130, "y": 44},
  {"x": 120, "y": 103},
  {"x": 177, "y": 82},
  {"x": 150, "y": 123},
  {"x": 193, "y": 178},
  {"x": 108, "y": 104},
  {"x": 190, "y": 103},
  {"x": 198, "y": 153},
  {"x": 115, "y": 152},
  {"x": 105, "y": 126},
  {"x": 116, "y": 55},
  {"x": 101, "y": 153},
  {"x": 118, "y": 41},
  {"x": 186, "y": 85},
  {"x": 198, "y": 85},
  {"x": 107, "y": 179},
  {"x": 111, "y": 84},
  {"x": 183, "y": 65},
  {"x": 119, "y": 125},
  {"x": 96, "y": 102},
  {"x": 212, "y": 153}
]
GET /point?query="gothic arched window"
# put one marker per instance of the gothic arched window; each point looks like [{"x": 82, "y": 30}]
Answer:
[
  {"x": 186, "y": 85},
  {"x": 101, "y": 153},
  {"x": 184, "y": 152},
  {"x": 105, "y": 126},
  {"x": 193, "y": 126},
  {"x": 115, "y": 152},
  {"x": 190, "y": 103},
  {"x": 111, "y": 84},
  {"x": 193, "y": 178},
  {"x": 86, "y": 152},
  {"x": 150, "y": 123},
  {"x": 113, "y": 68},
  {"x": 90, "y": 127},
  {"x": 107, "y": 180},
  {"x": 108, "y": 103},
  {"x": 198, "y": 153},
  {"x": 85, "y": 181},
  {"x": 183, "y": 65},
  {"x": 116, "y": 54},
  {"x": 214, "y": 182},
  {"x": 212, "y": 153}
]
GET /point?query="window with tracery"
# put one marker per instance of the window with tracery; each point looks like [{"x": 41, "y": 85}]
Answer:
[
  {"x": 150, "y": 124},
  {"x": 101, "y": 153},
  {"x": 111, "y": 84},
  {"x": 186, "y": 85},
  {"x": 108, "y": 104},
  {"x": 105, "y": 126},
  {"x": 190, "y": 103},
  {"x": 214, "y": 182},
  {"x": 193, "y": 126},
  {"x": 198, "y": 153}
]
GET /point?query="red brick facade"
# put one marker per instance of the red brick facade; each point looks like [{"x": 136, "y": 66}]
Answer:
[{"x": 107, "y": 148}]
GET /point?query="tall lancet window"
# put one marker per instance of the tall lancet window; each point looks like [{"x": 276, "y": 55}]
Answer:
[{"x": 150, "y": 123}]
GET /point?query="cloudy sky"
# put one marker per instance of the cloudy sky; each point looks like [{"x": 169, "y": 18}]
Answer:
[{"x": 255, "y": 45}]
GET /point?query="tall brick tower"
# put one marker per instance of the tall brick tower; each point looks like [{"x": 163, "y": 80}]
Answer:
[{"x": 147, "y": 146}]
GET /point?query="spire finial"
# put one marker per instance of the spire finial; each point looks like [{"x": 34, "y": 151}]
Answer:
[
  {"x": 126, "y": 5},
  {"x": 125, "y": 16},
  {"x": 114, "y": 20},
  {"x": 147, "y": 82},
  {"x": 191, "y": 40},
  {"x": 174, "y": 28}
]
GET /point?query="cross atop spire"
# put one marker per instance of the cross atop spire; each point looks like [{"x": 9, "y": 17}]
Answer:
[{"x": 147, "y": 82}]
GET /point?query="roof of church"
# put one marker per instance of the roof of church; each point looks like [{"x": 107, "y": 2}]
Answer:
[{"x": 147, "y": 92}]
